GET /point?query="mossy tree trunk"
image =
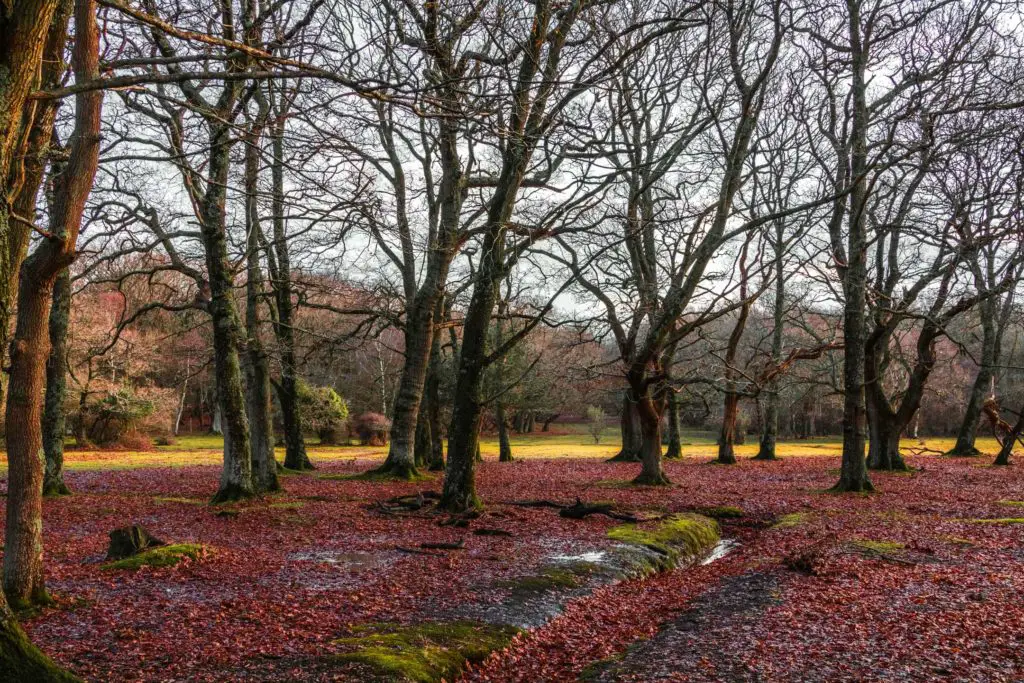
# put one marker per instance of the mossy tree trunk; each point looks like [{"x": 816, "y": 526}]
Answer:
[
  {"x": 258, "y": 388},
  {"x": 650, "y": 411},
  {"x": 54, "y": 418},
  {"x": 629, "y": 428},
  {"x": 279, "y": 260}
]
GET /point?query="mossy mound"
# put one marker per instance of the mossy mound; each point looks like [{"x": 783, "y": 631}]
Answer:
[
  {"x": 161, "y": 556},
  {"x": 424, "y": 653},
  {"x": 722, "y": 512},
  {"x": 676, "y": 538}
]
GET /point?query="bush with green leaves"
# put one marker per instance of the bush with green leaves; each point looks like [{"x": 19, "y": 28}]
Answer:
[
  {"x": 323, "y": 411},
  {"x": 116, "y": 415}
]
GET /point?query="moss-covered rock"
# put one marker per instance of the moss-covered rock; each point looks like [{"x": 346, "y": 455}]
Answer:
[
  {"x": 677, "y": 539},
  {"x": 424, "y": 653},
  {"x": 552, "y": 577},
  {"x": 162, "y": 556}
]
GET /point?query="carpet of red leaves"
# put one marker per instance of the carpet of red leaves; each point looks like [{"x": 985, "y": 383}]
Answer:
[{"x": 289, "y": 575}]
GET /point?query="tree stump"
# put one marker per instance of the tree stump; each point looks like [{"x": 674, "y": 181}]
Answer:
[{"x": 130, "y": 540}]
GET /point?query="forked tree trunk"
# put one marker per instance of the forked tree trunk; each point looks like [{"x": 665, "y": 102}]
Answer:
[
  {"x": 54, "y": 422},
  {"x": 651, "y": 472},
  {"x": 1003, "y": 458},
  {"x": 884, "y": 442},
  {"x": 30, "y": 348}
]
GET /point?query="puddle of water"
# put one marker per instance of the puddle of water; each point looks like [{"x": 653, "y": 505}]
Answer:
[
  {"x": 588, "y": 556},
  {"x": 336, "y": 557},
  {"x": 721, "y": 549}
]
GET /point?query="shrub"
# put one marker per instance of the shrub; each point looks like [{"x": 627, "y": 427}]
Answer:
[
  {"x": 323, "y": 411},
  {"x": 116, "y": 415},
  {"x": 371, "y": 429}
]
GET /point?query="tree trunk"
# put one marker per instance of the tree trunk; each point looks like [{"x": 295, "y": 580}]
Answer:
[
  {"x": 295, "y": 456},
  {"x": 1003, "y": 458},
  {"x": 853, "y": 471},
  {"x": 23, "y": 552},
  {"x": 651, "y": 472},
  {"x": 968, "y": 432},
  {"x": 884, "y": 444},
  {"x": 770, "y": 431},
  {"x": 54, "y": 422},
  {"x": 504, "y": 447},
  {"x": 258, "y": 389},
  {"x": 419, "y": 334},
  {"x": 629, "y": 427},
  {"x": 236, "y": 476},
  {"x": 727, "y": 437},
  {"x": 675, "y": 437},
  {"x": 435, "y": 458}
]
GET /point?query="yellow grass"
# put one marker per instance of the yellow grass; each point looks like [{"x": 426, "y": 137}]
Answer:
[{"x": 206, "y": 450}]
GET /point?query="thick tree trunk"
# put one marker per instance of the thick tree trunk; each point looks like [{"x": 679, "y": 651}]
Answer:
[
  {"x": 629, "y": 427},
  {"x": 727, "y": 437},
  {"x": 884, "y": 444},
  {"x": 419, "y": 334},
  {"x": 23, "y": 551},
  {"x": 54, "y": 422},
  {"x": 770, "y": 431},
  {"x": 432, "y": 394},
  {"x": 651, "y": 472},
  {"x": 675, "y": 432}
]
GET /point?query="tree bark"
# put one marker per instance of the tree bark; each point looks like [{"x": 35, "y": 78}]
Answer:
[
  {"x": 54, "y": 422},
  {"x": 295, "y": 457},
  {"x": 257, "y": 370},
  {"x": 675, "y": 440},
  {"x": 504, "y": 447},
  {"x": 629, "y": 427},
  {"x": 30, "y": 348},
  {"x": 650, "y": 413},
  {"x": 853, "y": 470}
]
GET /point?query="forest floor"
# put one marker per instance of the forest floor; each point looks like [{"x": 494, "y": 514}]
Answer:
[{"x": 920, "y": 581}]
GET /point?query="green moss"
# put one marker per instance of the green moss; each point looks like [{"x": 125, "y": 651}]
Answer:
[
  {"x": 722, "y": 512},
  {"x": 20, "y": 660},
  {"x": 684, "y": 535},
  {"x": 879, "y": 546},
  {"x": 162, "y": 556},
  {"x": 997, "y": 520},
  {"x": 567, "y": 576},
  {"x": 1013, "y": 503},
  {"x": 791, "y": 520},
  {"x": 183, "y": 501},
  {"x": 425, "y": 653}
]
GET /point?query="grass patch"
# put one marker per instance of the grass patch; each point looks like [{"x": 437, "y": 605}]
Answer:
[
  {"x": 183, "y": 501},
  {"x": 680, "y": 535},
  {"x": 997, "y": 520},
  {"x": 294, "y": 505},
  {"x": 791, "y": 520},
  {"x": 425, "y": 653},
  {"x": 161, "y": 556},
  {"x": 1012, "y": 503}
]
